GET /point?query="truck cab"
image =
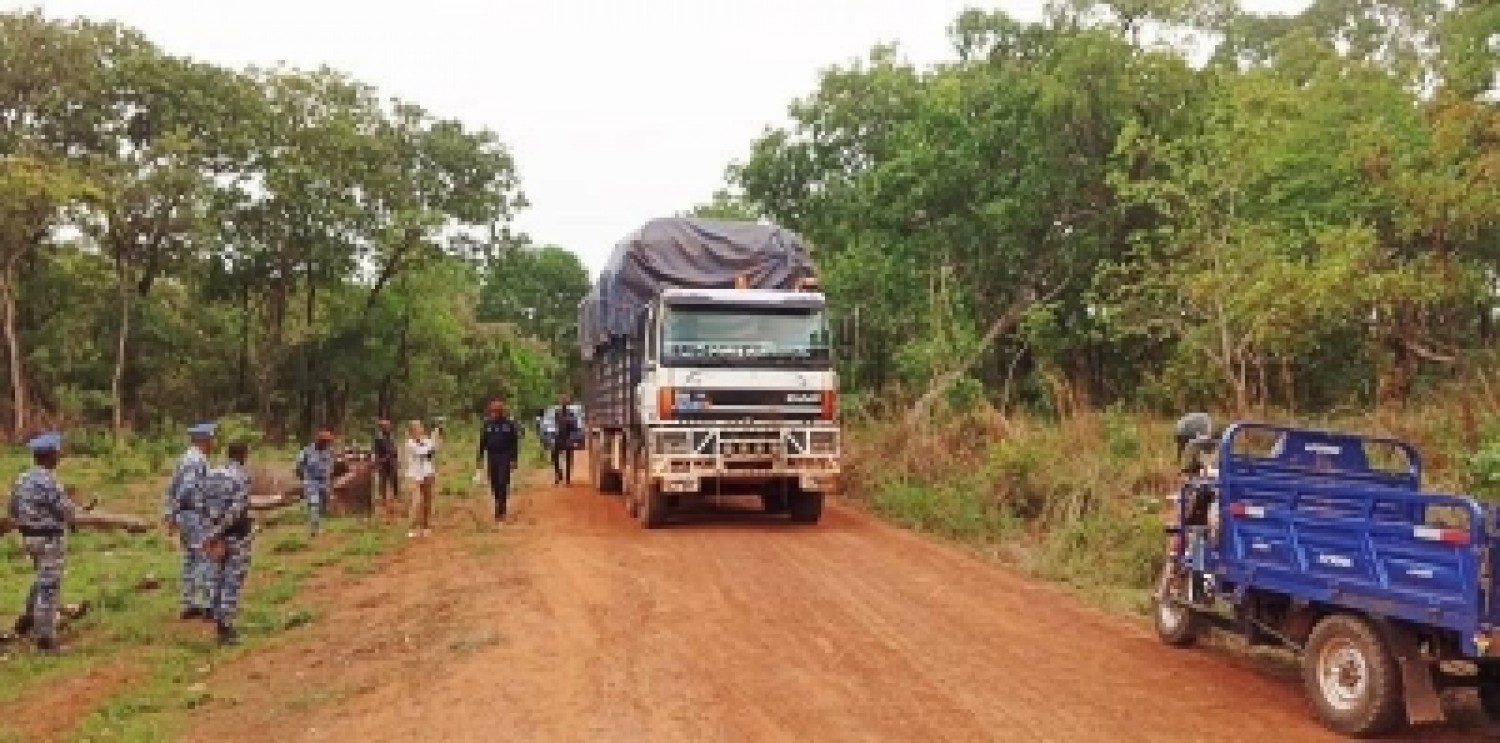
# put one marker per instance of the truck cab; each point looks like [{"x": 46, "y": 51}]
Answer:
[
  {"x": 740, "y": 391},
  {"x": 1325, "y": 543}
]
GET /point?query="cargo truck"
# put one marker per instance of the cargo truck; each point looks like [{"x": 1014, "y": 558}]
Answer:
[{"x": 709, "y": 371}]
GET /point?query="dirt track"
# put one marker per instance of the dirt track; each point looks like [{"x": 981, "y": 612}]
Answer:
[{"x": 582, "y": 626}]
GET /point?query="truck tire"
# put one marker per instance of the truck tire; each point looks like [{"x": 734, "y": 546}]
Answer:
[
  {"x": 805, "y": 507},
  {"x": 1352, "y": 678},
  {"x": 638, "y": 486},
  {"x": 611, "y": 482},
  {"x": 653, "y": 507},
  {"x": 596, "y": 464},
  {"x": 773, "y": 497},
  {"x": 1176, "y": 623}
]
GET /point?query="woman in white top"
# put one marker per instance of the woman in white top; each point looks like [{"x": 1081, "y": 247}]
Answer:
[{"x": 420, "y": 469}]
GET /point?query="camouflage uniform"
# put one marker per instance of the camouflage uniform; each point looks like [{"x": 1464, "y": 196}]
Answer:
[
  {"x": 42, "y": 513},
  {"x": 181, "y": 504},
  {"x": 315, "y": 469},
  {"x": 225, "y": 510}
]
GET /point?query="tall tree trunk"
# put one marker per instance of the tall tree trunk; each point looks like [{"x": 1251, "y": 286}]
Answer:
[
  {"x": 310, "y": 386},
  {"x": 398, "y": 364},
  {"x": 13, "y": 347},
  {"x": 1288, "y": 386},
  {"x": 921, "y": 410},
  {"x": 243, "y": 383},
  {"x": 117, "y": 381}
]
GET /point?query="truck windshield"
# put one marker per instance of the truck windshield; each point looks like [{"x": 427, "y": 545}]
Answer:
[{"x": 719, "y": 335}]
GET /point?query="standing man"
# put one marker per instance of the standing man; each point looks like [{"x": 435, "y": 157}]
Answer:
[
  {"x": 384, "y": 449},
  {"x": 180, "y": 511},
  {"x": 42, "y": 512},
  {"x": 566, "y": 430},
  {"x": 315, "y": 470},
  {"x": 499, "y": 443},
  {"x": 227, "y": 537}
]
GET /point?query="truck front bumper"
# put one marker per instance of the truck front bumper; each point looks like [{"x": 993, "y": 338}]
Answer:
[{"x": 683, "y": 456}]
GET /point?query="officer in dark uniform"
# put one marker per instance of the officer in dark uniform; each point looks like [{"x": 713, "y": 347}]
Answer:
[
  {"x": 383, "y": 446},
  {"x": 499, "y": 446},
  {"x": 43, "y": 513},
  {"x": 565, "y": 423}
]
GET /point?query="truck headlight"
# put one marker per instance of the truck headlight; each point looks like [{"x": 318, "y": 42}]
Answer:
[
  {"x": 672, "y": 443},
  {"x": 822, "y": 442}
]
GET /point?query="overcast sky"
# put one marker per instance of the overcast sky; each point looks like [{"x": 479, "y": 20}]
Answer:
[{"x": 617, "y": 111}]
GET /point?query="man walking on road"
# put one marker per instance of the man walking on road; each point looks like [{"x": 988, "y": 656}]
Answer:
[
  {"x": 180, "y": 513},
  {"x": 566, "y": 431},
  {"x": 499, "y": 447},
  {"x": 227, "y": 531}
]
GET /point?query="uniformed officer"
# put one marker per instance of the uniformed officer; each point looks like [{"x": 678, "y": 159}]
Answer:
[
  {"x": 42, "y": 512},
  {"x": 315, "y": 470},
  {"x": 499, "y": 446},
  {"x": 180, "y": 511},
  {"x": 227, "y": 537}
]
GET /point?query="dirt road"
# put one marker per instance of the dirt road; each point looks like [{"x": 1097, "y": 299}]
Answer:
[{"x": 576, "y": 625}]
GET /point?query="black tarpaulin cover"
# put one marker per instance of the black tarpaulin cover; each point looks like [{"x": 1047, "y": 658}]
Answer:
[{"x": 688, "y": 253}]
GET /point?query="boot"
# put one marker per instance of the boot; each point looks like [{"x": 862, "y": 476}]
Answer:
[
  {"x": 47, "y": 646},
  {"x": 23, "y": 625},
  {"x": 227, "y": 635},
  {"x": 188, "y": 614}
]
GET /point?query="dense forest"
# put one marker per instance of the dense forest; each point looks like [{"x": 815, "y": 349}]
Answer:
[
  {"x": 179, "y": 240},
  {"x": 1157, "y": 203}
]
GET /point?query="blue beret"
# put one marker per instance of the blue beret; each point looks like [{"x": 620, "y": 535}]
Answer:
[
  {"x": 203, "y": 429},
  {"x": 50, "y": 441}
]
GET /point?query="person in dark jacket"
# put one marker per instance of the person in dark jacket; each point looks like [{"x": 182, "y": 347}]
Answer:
[
  {"x": 565, "y": 432},
  {"x": 499, "y": 447},
  {"x": 383, "y": 447}
]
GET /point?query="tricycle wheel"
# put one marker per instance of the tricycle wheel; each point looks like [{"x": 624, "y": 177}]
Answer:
[
  {"x": 1489, "y": 690},
  {"x": 1352, "y": 678},
  {"x": 1489, "y": 700},
  {"x": 1176, "y": 623}
]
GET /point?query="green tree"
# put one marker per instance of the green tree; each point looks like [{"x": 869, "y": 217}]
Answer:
[{"x": 537, "y": 290}]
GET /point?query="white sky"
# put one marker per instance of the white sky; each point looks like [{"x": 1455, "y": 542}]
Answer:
[{"x": 617, "y": 111}]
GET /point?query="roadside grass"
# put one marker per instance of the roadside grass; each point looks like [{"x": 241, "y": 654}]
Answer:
[
  {"x": 135, "y": 626},
  {"x": 1079, "y": 501}
]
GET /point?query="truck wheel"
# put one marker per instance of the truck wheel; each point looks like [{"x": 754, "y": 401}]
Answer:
[
  {"x": 611, "y": 482},
  {"x": 774, "y": 498},
  {"x": 653, "y": 507},
  {"x": 805, "y": 507},
  {"x": 596, "y": 465},
  {"x": 1176, "y": 624},
  {"x": 1351, "y": 677},
  {"x": 633, "y": 494}
]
